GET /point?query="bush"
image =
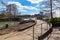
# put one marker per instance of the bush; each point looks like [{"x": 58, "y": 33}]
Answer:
[{"x": 55, "y": 21}]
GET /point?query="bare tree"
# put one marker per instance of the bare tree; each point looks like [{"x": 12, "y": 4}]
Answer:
[{"x": 11, "y": 10}]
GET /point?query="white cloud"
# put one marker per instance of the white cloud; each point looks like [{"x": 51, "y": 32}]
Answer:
[
  {"x": 35, "y": 1},
  {"x": 16, "y": 3},
  {"x": 3, "y": 7},
  {"x": 29, "y": 7},
  {"x": 43, "y": 5},
  {"x": 57, "y": 4},
  {"x": 24, "y": 9}
]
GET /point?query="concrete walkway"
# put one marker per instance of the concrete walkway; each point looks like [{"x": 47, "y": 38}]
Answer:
[
  {"x": 28, "y": 33},
  {"x": 55, "y": 34}
]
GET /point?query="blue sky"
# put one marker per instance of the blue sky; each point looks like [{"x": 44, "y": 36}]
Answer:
[{"x": 29, "y": 7}]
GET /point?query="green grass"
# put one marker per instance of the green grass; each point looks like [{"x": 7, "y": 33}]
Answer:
[{"x": 3, "y": 23}]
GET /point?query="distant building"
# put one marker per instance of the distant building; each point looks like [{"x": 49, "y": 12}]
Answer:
[
  {"x": 46, "y": 14},
  {"x": 57, "y": 13}
]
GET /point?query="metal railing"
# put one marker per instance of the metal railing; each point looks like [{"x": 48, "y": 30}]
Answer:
[{"x": 44, "y": 29}]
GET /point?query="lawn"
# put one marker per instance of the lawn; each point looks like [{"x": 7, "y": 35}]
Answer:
[{"x": 9, "y": 22}]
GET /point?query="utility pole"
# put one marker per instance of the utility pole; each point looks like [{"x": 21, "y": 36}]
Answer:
[
  {"x": 51, "y": 8},
  {"x": 51, "y": 13}
]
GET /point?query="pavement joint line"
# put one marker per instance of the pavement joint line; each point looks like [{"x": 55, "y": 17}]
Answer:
[
  {"x": 16, "y": 35},
  {"x": 49, "y": 36},
  {"x": 55, "y": 33},
  {"x": 40, "y": 28},
  {"x": 30, "y": 34},
  {"x": 10, "y": 36}
]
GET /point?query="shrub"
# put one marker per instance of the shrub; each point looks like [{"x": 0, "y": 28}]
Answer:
[{"x": 55, "y": 21}]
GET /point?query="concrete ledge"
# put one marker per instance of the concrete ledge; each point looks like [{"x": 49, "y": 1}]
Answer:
[{"x": 28, "y": 26}]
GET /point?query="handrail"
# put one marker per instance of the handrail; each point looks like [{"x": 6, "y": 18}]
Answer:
[{"x": 43, "y": 36}]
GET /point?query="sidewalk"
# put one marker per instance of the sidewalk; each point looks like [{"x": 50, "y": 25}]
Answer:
[{"x": 55, "y": 34}]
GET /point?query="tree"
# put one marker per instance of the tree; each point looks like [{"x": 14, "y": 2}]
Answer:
[
  {"x": 11, "y": 10},
  {"x": 2, "y": 15}
]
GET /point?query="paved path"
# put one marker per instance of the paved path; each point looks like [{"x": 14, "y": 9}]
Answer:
[
  {"x": 55, "y": 35},
  {"x": 26, "y": 34}
]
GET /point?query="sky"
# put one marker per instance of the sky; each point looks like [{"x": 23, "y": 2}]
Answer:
[{"x": 29, "y": 7}]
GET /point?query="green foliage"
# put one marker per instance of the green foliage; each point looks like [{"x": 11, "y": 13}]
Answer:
[
  {"x": 55, "y": 20},
  {"x": 20, "y": 19},
  {"x": 2, "y": 15}
]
